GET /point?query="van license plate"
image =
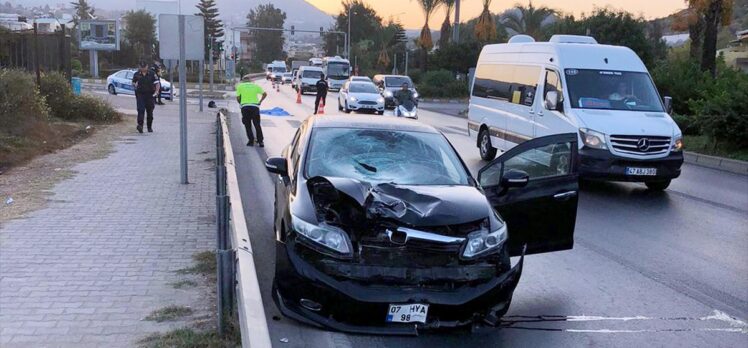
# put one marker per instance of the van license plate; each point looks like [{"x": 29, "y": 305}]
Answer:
[
  {"x": 641, "y": 171},
  {"x": 407, "y": 313}
]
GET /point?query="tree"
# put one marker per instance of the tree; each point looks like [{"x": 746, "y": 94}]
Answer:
[
  {"x": 213, "y": 25},
  {"x": 365, "y": 21},
  {"x": 82, "y": 11},
  {"x": 140, "y": 31},
  {"x": 703, "y": 19},
  {"x": 485, "y": 28},
  {"x": 269, "y": 43},
  {"x": 615, "y": 28},
  {"x": 529, "y": 20},
  {"x": 446, "y": 31},
  {"x": 424, "y": 40}
]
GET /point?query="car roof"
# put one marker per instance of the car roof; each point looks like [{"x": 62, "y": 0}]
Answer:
[{"x": 370, "y": 122}]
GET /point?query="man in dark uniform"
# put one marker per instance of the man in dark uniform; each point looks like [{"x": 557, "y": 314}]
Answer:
[
  {"x": 156, "y": 67},
  {"x": 146, "y": 85},
  {"x": 321, "y": 92}
]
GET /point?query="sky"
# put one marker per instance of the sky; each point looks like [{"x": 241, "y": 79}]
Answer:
[{"x": 409, "y": 13}]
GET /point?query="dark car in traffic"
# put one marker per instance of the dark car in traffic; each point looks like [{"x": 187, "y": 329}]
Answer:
[{"x": 380, "y": 227}]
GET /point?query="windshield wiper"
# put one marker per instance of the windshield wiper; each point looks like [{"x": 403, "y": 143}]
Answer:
[{"x": 367, "y": 167}]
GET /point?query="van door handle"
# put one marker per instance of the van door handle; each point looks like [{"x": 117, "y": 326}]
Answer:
[{"x": 564, "y": 195}]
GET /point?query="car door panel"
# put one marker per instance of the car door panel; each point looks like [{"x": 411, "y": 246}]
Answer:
[{"x": 541, "y": 215}]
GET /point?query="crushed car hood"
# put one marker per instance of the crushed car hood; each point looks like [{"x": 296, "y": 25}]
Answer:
[{"x": 415, "y": 205}]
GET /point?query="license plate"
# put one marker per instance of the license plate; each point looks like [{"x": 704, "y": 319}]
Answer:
[
  {"x": 407, "y": 313},
  {"x": 641, "y": 171}
]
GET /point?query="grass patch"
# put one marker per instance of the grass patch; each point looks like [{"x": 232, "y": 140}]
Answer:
[
  {"x": 195, "y": 338},
  {"x": 205, "y": 264},
  {"x": 182, "y": 284},
  {"x": 704, "y": 145},
  {"x": 169, "y": 313}
]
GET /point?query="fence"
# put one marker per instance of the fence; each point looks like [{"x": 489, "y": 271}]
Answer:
[
  {"x": 36, "y": 52},
  {"x": 237, "y": 278}
]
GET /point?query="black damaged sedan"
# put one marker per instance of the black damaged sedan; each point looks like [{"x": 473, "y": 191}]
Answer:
[{"x": 381, "y": 228}]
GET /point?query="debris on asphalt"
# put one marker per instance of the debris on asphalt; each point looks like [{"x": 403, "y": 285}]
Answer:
[
  {"x": 284, "y": 340},
  {"x": 9, "y": 201}
]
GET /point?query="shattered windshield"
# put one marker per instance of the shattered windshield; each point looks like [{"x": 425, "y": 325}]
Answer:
[{"x": 384, "y": 156}]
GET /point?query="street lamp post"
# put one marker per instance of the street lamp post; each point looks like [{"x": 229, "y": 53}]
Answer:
[{"x": 348, "y": 42}]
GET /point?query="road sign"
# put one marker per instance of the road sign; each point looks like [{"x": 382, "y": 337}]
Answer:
[
  {"x": 168, "y": 34},
  {"x": 99, "y": 35}
]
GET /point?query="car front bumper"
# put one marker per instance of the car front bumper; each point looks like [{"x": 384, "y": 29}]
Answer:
[
  {"x": 603, "y": 165},
  {"x": 368, "y": 107},
  {"x": 361, "y": 307}
]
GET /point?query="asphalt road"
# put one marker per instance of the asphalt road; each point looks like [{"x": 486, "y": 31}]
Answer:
[{"x": 647, "y": 268}]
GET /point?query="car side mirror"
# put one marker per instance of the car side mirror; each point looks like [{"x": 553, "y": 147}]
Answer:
[
  {"x": 277, "y": 165},
  {"x": 514, "y": 178},
  {"x": 551, "y": 100},
  {"x": 668, "y": 101}
]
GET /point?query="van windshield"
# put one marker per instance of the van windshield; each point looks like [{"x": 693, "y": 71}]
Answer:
[{"x": 613, "y": 90}]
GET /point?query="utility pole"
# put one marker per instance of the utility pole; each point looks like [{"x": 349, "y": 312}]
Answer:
[
  {"x": 348, "y": 41},
  {"x": 210, "y": 59}
]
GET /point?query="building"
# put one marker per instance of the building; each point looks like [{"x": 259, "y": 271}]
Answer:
[
  {"x": 736, "y": 53},
  {"x": 246, "y": 46},
  {"x": 14, "y": 22}
]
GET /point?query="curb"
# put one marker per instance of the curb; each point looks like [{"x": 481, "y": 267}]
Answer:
[
  {"x": 252, "y": 320},
  {"x": 714, "y": 162}
]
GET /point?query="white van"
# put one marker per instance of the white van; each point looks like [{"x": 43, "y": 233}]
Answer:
[
  {"x": 526, "y": 89},
  {"x": 307, "y": 77}
]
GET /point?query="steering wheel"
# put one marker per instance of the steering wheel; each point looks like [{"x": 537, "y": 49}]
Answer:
[{"x": 630, "y": 99}]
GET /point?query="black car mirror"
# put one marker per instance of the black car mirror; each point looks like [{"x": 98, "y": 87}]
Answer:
[
  {"x": 514, "y": 178},
  {"x": 277, "y": 165},
  {"x": 668, "y": 101}
]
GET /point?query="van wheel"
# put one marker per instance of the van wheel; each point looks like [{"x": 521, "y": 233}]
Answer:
[
  {"x": 112, "y": 90},
  {"x": 657, "y": 185},
  {"x": 487, "y": 151}
]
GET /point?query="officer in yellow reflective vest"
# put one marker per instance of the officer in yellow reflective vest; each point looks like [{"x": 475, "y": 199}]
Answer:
[{"x": 249, "y": 95}]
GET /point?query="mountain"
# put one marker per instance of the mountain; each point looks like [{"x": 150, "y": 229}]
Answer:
[{"x": 299, "y": 13}]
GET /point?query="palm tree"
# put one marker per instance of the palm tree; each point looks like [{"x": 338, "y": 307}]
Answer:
[
  {"x": 529, "y": 20},
  {"x": 485, "y": 29},
  {"x": 446, "y": 31},
  {"x": 424, "y": 40}
]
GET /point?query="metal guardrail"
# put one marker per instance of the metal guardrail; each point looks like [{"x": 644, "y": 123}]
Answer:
[{"x": 237, "y": 277}]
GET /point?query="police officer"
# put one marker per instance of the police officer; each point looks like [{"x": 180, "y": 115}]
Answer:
[
  {"x": 321, "y": 92},
  {"x": 146, "y": 85},
  {"x": 247, "y": 95},
  {"x": 156, "y": 67}
]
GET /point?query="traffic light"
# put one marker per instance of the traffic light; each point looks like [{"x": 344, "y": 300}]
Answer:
[
  {"x": 292, "y": 30},
  {"x": 321, "y": 31}
]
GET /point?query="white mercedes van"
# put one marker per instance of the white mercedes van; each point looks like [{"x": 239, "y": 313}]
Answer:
[
  {"x": 525, "y": 89},
  {"x": 307, "y": 77}
]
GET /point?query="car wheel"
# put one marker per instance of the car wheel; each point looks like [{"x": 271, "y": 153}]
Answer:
[
  {"x": 380, "y": 112},
  {"x": 340, "y": 107},
  {"x": 346, "y": 109},
  {"x": 487, "y": 151},
  {"x": 112, "y": 90},
  {"x": 658, "y": 185}
]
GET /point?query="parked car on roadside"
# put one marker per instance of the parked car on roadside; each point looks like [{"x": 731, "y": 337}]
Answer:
[
  {"x": 389, "y": 84},
  {"x": 360, "y": 96},
  {"x": 526, "y": 89},
  {"x": 380, "y": 227},
  {"x": 121, "y": 82}
]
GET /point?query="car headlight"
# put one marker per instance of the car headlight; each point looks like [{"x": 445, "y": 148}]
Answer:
[
  {"x": 353, "y": 99},
  {"x": 380, "y": 100},
  {"x": 677, "y": 144},
  {"x": 593, "y": 139},
  {"x": 330, "y": 237},
  {"x": 415, "y": 94},
  {"x": 388, "y": 94},
  {"x": 481, "y": 242}
]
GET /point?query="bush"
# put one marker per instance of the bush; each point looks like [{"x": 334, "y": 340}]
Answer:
[
  {"x": 21, "y": 106},
  {"x": 682, "y": 79},
  {"x": 67, "y": 106},
  {"x": 722, "y": 109},
  {"x": 442, "y": 84}
]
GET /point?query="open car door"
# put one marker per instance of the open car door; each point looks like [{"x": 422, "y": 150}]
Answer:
[{"x": 534, "y": 186}]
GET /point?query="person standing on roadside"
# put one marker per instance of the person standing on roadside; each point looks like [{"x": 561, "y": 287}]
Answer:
[
  {"x": 146, "y": 86},
  {"x": 248, "y": 96},
  {"x": 321, "y": 92}
]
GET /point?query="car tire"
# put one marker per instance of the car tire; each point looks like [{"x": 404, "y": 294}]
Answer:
[
  {"x": 487, "y": 151},
  {"x": 112, "y": 90},
  {"x": 380, "y": 112},
  {"x": 346, "y": 109},
  {"x": 658, "y": 185},
  {"x": 340, "y": 107}
]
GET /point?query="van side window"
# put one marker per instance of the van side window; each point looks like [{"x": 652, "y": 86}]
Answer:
[
  {"x": 553, "y": 83},
  {"x": 525, "y": 84},
  {"x": 512, "y": 83}
]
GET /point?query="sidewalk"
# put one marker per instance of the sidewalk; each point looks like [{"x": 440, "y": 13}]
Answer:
[{"x": 86, "y": 270}]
